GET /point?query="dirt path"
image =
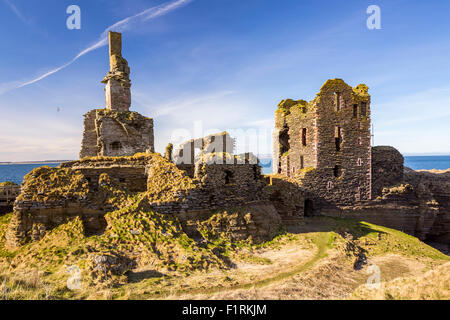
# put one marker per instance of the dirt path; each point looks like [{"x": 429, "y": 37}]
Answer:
[{"x": 323, "y": 243}]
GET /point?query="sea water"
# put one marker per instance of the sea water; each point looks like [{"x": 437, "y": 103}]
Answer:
[
  {"x": 16, "y": 172},
  {"x": 413, "y": 162}
]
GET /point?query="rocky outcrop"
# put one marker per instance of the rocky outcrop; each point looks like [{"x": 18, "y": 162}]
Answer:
[
  {"x": 387, "y": 168},
  {"x": 411, "y": 207},
  {"x": 434, "y": 188},
  {"x": 105, "y": 265}
]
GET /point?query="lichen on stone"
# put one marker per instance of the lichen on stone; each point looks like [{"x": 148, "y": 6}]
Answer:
[
  {"x": 8, "y": 184},
  {"x": 47, "y": 184}
]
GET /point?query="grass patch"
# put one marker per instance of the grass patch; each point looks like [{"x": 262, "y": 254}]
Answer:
[{"x": 4, "y": 221}]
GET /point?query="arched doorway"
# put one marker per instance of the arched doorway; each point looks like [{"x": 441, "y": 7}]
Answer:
[{"x": 309, "y": 208}]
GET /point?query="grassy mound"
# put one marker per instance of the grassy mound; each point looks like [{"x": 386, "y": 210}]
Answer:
[
  {"x": 146, "y": 255},
  {"x": 433, "y": 285},
  {"x": 47, "y": 184},
  {"x": 378, "y": 240}
]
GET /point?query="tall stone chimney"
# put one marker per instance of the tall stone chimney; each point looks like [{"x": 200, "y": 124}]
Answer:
[{"x": 117, "y": 90}]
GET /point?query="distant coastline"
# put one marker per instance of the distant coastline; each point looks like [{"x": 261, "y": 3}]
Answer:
[{"x": 35, "y": 162}]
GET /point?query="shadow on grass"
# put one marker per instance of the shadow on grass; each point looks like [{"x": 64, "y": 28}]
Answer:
[
  {"x": 341, "y": 226},
  {"x": 135, "y": 277}
]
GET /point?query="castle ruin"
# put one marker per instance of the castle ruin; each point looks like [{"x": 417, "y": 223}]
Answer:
[
  {"x": 326, "y": 143},
  {"x": 116, "y": 131},
  {"x": 323, "y": 163}
]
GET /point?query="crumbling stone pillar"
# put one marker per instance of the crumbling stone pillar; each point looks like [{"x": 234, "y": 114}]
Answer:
[
  {"x": 116, "y": 131},
  {"x": 117, "y": 90}
]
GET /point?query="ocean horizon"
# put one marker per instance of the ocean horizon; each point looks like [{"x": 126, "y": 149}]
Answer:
[
  {"x": 15, "y": 172},
  {"x": 413, "y": 162}
]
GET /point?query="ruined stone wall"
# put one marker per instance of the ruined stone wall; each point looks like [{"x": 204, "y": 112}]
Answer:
[
  {"x": 130, "y": 173},
  {"x": 231, "y": 182},
  {"x": 86, "y": 188},
  {"x": 403, "y": 217},
  {"x": 343, "y": 173},
  {"x": 8, "y": 192},
  {"x": 330, "y": 134},
  {"x": 257, "y": 222},
  {"x": 117, "y": 89},
  {"x": 193, "y": 150},
  {"x": 419, "y": 206},
  {"x": 214, "y": 186},
  {"x": 89, "y": 143},
  {"x": 286, "y": 195},
  {"x": 132, "y": 178},
  {"x": 115, "y": 133},
  {"x": 295, "y": 137},
  {"x": 387, "y": 168},
  {"x": 49, "y": 197}
]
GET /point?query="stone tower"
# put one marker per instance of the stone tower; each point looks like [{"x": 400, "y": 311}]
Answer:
[
  {"x": 116, "y": 131},
  {"x": 117, "y": 80},
  {"x": 325, "y": 144}
]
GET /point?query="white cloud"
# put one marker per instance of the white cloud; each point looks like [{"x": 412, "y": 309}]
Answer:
[
  {"x": 125, "y": 24},
  {"x": 40, "y": 137}
]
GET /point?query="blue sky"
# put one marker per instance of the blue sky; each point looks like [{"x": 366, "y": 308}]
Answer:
[{"x": 207, "y": 65}]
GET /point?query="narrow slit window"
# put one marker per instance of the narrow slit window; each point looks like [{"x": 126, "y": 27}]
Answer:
[
  {"x": 363, "y": 109},
  {"x": 338, "y": 138},
  {"x": 228, "y": 177},
  {"x": 355, "y": 110},
  {"x": 338, "y": 96},
  {"x": 302, "y": 162},
  {"x": 304, "y": 132},
  {"x": 337, "y": 171}
]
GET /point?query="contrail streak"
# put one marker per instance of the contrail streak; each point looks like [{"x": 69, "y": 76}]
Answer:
[
  {"x": 16, "y": 11},
  {"x": 125, "y": 24}
]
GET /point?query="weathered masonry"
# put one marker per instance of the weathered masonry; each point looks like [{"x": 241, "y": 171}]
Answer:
[
  {"x": 325, "y": 144},
  {"x": 8, "y": 194},
  {"x": 116, "y": 131}
]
